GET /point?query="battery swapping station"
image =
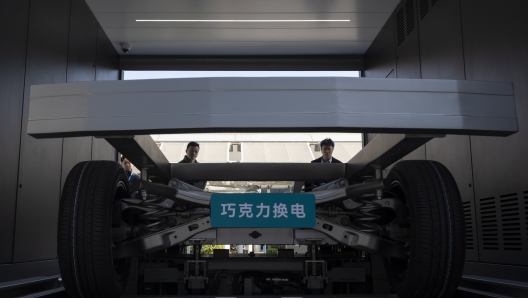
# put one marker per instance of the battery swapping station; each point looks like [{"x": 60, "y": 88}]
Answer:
[{"x": 433, "y": 205}]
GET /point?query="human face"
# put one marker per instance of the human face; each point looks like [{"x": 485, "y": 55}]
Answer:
[
  {"x": 192, "y": 152},
  {"x": 327, "y": 151},
  {"x": 126, "y": 165}
]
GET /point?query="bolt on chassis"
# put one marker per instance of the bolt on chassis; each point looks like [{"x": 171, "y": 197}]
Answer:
[{"x": 408, "y": 212}]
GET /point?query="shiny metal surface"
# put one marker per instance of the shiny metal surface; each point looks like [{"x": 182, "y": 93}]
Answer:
[
  {"x": 192, "y": 232},
  {"x": 194, "y": 197},
  {"x": 330, "y": 195},
  {"x": 182, "y": 185},
  {"x": 163, "y": 239}
]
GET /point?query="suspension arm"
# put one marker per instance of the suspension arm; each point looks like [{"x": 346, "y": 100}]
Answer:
[
  {"x": 345, "y": 235},
  {"x": 201, "y": 198},
  {"x": 162, "y": 240},
  {"x": 196, "y": 198},
  {"x": 360, "y": 240}
]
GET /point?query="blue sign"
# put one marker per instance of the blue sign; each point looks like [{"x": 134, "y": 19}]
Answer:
[{"x": 262, "y": 210}]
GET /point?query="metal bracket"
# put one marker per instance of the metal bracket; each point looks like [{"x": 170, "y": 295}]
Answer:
[
  {"x": 202, "y": 198},
  {"x": 350, "y": 204},
  {"x": 163, "y": 239},
  {"x": 360, "y": 240},
  {"x": 311, "y": 237},
  {"x": 181, "y": 233},
  {"x": 317, "y": 280},
  {"x": 165, "y": 204},
  {"x": 339, "y": 183},
  {"x": 198, "y": 278},
  {"x": 382, "y": 151},
  {"x": 182, "y": 185}
]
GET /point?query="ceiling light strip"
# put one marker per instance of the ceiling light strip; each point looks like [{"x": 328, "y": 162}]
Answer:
[{"x": 244, "y": 21}]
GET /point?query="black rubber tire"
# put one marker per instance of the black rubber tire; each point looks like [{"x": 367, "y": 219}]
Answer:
[
  {"x": 436, "y": 235},
  {"x": 84, "y": 240}
]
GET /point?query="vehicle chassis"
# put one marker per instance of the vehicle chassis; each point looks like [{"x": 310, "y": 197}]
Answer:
[{"x": 420, "y": 109}]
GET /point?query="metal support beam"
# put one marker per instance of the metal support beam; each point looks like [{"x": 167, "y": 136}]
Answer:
[
  {"x": 143, "y": 152},
  {"x": 257, "y": 171},
  {"x": 108, "y": 108},
  {"x": 382, "y": 151}
]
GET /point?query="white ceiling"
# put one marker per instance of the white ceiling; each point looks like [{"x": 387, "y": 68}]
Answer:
[{"x": 118, "y": 19}]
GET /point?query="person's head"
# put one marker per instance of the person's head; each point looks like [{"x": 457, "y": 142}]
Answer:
[
  {"x": 192, "y": 151},
  {"x": 126, "y": 164},
  {"x": 327, "y": 148}
]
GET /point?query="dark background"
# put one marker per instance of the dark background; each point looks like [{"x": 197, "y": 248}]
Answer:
[
  {"x": 42, "y": 42},
  {"x": 480, "y": 40}
]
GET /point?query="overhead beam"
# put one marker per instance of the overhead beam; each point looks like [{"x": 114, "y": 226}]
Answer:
[
  {"x": 295, "y": 104},
  {"x": 257, "y": 171},
  {"x": 244, "y": 63}
]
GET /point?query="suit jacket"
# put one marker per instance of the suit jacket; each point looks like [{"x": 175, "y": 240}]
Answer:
[
  {"x": 309, "y": 185},
  {"x": 318, "y": 160},
  {"x": 199, "y": 184}
]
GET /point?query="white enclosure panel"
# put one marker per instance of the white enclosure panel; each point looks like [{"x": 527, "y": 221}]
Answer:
[{"x": 272, "y": 105}]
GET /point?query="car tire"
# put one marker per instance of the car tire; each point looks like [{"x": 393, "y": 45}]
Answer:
[
  {"x": 432, "y": 226},
  {"x": 91, "y": 191}
]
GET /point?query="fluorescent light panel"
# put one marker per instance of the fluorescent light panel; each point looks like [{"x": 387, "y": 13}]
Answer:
[{"x": 243, "y": 21}]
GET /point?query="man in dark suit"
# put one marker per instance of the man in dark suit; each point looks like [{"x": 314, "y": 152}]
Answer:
[
  {"x": 191, "y": 153},
  {"x": 327, "y": 149}
]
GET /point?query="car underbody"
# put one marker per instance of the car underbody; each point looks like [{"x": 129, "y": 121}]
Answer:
[{"x": 374, "y": 208}]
